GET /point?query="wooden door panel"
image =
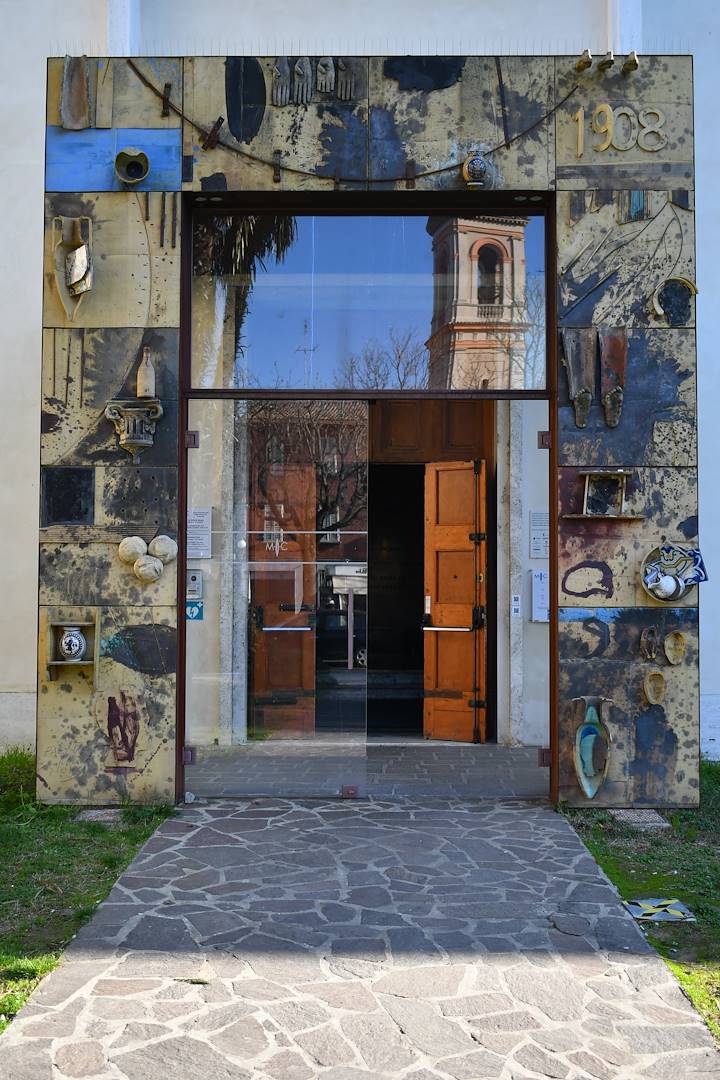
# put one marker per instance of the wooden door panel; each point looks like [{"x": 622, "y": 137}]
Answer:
[
  {"x": 454, "y": 497},
  {"x": 451, "y": 725},
  {"x": 454, "y": 634},
  {"x": 454, "y": 576}
]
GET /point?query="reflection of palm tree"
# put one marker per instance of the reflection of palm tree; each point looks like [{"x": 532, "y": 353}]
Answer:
[{"x": 235, "y": 246}]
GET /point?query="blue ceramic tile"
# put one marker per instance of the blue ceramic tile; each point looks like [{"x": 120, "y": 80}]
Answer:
[{"x": 85, "y": 160}]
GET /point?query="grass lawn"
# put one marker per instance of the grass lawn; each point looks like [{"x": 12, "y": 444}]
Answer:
[
  {"x": 55, "y": 870},
  {"x": 680, "y": 863}
]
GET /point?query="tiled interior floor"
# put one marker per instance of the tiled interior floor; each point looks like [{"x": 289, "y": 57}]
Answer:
[{"x": 385, "y": 768}]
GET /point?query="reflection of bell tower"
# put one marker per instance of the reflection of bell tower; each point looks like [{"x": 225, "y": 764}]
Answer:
[{"x": 477, "y": 337}]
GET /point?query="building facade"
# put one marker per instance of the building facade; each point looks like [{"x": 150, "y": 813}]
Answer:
[{"x": 618, "y": 236}]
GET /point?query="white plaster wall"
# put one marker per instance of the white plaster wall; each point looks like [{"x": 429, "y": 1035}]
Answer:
[
  {"x": 178, "y": 27},
  {"x": 534, "y": 726},
  {"x": 522, "y": 645},
  {"x": 31, "y": 32},
  {"x": 667, "y": 27}
]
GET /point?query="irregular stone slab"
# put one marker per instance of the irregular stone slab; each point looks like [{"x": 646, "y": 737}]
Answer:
[
  {"x": 139, "y": 1033},
  {"x": 177, "y": 1058},
  {"x": 31, "y": 1061},
  {"x": 570, "y": 924},
  {"x": 558, "y": 997},
  {"x": 471, "y": 1066},
  {"x": 287, "y": 1066},
  {"x": 476, "y": 1005},
  {"x": 432, "y": 1034},
  {"x": 125, "y": 987},
  {"x": 298, "y": 1015},
  {"x": 353, "y": 997},
  {"x": 67, "y": 979},
  {"x": 379, "y": 1043},
  {"x": 163, "y": 935},
  {"x": 519, "y": 1020},
  {"x": 539, "y": 1061},
  {"x": 261, "y": 989},
  {"x": 421, "y": 982},
  {"x": 325, "y": 1045},
  {"x": 56, "y": 1024},
  {"x": 592, "y": 1064},
  {"x": 243, "y": 1039}
]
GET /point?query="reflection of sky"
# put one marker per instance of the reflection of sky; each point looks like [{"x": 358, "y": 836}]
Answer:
[{"x": 345, "y": 282}]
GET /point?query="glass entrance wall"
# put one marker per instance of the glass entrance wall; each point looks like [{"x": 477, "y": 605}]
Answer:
[
  {"x": 368, "y": 302},
  {"x": 276, "y": 597}
]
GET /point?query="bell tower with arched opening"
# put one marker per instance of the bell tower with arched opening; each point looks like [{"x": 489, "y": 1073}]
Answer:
[{"x": 477, "y": 336}]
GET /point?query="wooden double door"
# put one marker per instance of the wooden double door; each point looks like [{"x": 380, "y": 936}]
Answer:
[{"x": 294, "y": 544}]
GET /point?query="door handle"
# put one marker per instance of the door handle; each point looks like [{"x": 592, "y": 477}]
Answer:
[
  {"x": 450, "y": 629},
  {"x": 279, "y": 629}
]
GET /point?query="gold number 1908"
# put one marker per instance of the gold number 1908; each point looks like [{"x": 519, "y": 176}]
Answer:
[{"x": 622, "y": 128}]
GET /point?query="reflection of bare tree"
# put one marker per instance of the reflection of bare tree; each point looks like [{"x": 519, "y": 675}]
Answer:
[
  {"x": 330, "y": 437},
  {"x": 402, "y": 364}
]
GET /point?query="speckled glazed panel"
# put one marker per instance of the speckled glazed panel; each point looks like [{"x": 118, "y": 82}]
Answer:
[
  {"x": 319, "y": 142},
  {"x": 108, "y": 734}
]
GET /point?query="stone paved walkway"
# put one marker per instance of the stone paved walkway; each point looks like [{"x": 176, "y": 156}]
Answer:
[{"x": 280, "y": 940}]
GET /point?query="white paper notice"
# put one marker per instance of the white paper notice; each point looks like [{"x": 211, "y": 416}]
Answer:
[
  {"x": 540, "y": 596},
  {"x": 199, "y": 533},
  {"x": 539, "y": 534}
]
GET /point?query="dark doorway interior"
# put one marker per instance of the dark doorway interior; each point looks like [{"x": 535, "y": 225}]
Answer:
[{"x": 395, "y": 598}]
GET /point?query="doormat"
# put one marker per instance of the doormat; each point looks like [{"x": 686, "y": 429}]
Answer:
[{"x": 659, "y": 909}]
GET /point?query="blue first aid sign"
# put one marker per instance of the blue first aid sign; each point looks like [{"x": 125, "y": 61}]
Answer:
[{"x": 194, "y": 611}]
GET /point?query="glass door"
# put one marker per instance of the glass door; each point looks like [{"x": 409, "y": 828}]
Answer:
[{"x": 276, "y": 651}]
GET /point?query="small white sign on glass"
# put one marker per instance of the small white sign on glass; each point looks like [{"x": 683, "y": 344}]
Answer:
[{"x": 199, "y": 533}]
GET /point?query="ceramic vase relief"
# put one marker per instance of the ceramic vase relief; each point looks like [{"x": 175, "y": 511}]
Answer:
[{"x": 72, "y": 644}]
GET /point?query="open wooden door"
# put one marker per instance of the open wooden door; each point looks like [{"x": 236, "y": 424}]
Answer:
[{"x": 454, "y": 622}]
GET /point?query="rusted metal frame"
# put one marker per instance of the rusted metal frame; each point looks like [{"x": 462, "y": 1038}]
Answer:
[
  {"x": 551, "y": 380},
  {"x": 331, "y": 393},
  {"x": 327, "y": 202},
  {"x": 354, "y": 204}
]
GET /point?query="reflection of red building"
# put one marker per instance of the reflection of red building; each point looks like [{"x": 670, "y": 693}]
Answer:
[
  {"x": 307, "y": 507},
  {"x": 477, "y": 336}
]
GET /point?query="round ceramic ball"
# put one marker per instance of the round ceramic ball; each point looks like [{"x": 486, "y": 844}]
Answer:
[
  {"x": 666, "y": 587},
  {"x": 147, "y": 568},
  {"x": 163, "y": 548},
  {"x": 131, "y": 548}
]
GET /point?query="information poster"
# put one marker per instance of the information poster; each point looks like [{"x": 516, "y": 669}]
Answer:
[
  {"x": 199, "y": 533},
  {"x": 539, "y": 534}
]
